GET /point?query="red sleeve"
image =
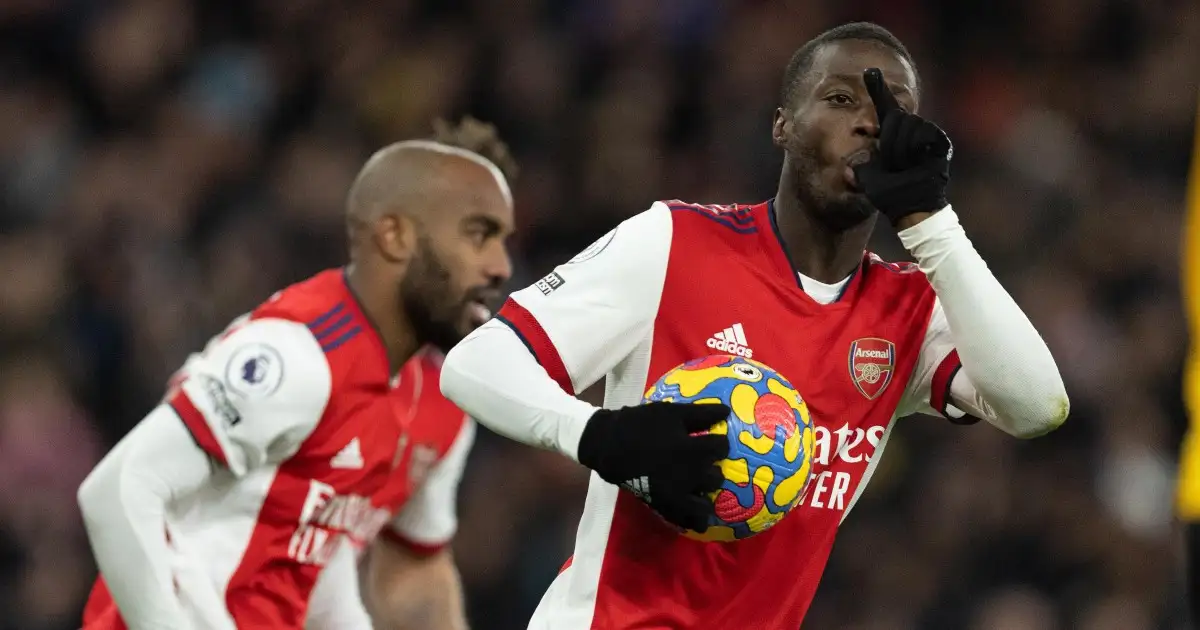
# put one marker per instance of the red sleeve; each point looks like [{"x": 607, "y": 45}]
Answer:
[
  {"x": 943, "y": 376},
  {"x": 531, "y": 333},
  {"x": 943, "y": 380},
  {"x": 201, "y": 431}
]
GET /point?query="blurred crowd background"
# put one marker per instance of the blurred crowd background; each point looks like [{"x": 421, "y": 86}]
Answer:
[{"x": 166, "y": 164}]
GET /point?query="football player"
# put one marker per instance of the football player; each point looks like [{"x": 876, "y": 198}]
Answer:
[
  {"x": 786, "y": 282},
  {"x": 277, "y": 448}
]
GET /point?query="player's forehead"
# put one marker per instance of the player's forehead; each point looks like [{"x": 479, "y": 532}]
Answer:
[
  {"x": 460, "y": 188},
  {"x": 843, "y": 62}
]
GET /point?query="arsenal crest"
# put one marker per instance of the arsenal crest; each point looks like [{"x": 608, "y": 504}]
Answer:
[{"x": 872, "y": 362}]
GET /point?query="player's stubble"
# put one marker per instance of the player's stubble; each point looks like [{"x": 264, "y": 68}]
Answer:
[
  {"x": 427, "y": 297},
  {"x": 839, "y": 211}
]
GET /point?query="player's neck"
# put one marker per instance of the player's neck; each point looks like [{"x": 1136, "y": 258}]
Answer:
[
  {"x": 389, "y": 322},
  {"x": 817, "y": 250}
]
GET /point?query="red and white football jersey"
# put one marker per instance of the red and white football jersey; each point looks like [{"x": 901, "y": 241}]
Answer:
[
  {"x": 297, "y": 404},
  {"x": 437, "y": 439},
  {"x": 682, "y": 281},
  {"x": 421, "y": 499}
]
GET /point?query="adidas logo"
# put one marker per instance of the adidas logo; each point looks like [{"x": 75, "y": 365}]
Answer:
[
  {"x": 350, "y": 457},
  {"x": 732, "y": 340}
]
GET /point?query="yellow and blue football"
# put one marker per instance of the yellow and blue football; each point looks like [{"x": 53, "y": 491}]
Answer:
[{"x": 770, "y": 434}]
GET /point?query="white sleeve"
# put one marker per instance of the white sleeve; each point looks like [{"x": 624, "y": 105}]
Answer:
[
  {"x": 430, "y": 518},
  {"x": 124, "y": 502},
  {"x": 930, "y": 388},
  {"x": 517, "y": 373},
  {"x": 591, "y": 312},
  {"x": 336, "y": 602},
  {"x": 255, "y": 393},
  {"x": 1008, "y": 375}
]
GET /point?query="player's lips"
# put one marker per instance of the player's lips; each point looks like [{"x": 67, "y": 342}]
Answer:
[
  {"x": 478, "y": 310},
  {"x": 858, "y": 158}
]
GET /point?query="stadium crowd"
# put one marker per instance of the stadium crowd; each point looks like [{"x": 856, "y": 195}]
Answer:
[{"x": 166, "y": 164}]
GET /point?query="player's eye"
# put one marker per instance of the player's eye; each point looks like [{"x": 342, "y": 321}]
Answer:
[
  {"x": 480, "y": 231},
  {"x": 478, "y": 236},
  {"x": 840, "y": 99}
]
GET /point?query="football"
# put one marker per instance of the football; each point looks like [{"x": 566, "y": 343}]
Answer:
[{"x": 770, "y": 436}]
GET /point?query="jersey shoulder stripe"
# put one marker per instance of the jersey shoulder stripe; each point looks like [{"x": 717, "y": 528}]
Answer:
[
  {"x": 322, "y": 321},
  {"x": 333, "y": 344},
  {"x": 736, "y": 218},
  {"x": 332, "y": 328}
]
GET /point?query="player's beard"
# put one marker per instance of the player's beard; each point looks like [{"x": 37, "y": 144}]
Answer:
[
  {"x": 425, "y": 296},
  {"x": 837, "y": 211}
]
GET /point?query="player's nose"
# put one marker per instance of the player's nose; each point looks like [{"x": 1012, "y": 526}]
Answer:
[
  {"x": 866, "y": 122},
  {"x": 497, "y": 266}
]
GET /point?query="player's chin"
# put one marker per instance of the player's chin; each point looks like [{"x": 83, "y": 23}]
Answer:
[
  {"x": 842, "y": 181},
  {"x": 449, "y": 335},
  {"x": 838, "y": 185},
  {"x": 848, "y": 210}
]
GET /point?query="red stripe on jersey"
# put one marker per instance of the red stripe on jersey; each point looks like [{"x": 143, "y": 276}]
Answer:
[
  {"x": 100, "y": 612},
  {"x": 566, "y": 565},
  {"x": 197, "y": 425},
  {"x": 943, "y": 376},
  {"x": 531, "y": 332},
  {"x": 267, "y": 590},
  {"x": 416, "y": 548}
]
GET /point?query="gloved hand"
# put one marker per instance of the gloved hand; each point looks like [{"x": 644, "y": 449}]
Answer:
[
  {"x": 652, "y": 451},
  {"x": 911, "y": 168}
]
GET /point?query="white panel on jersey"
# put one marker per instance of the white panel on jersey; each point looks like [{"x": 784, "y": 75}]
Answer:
[
  {"x": 430, "y": 517},
  {"x": 866, "y": 478},
  {"x": 261, "y": 390},
  {"x": 125, "y": 503},
  {"x": 336, "y": 602},
  {"x": 214, "y": 527},
  {"x": 607, "y": 297},
  {"x": 570, "y": 601},
  {"x": 936, "y": 346}
]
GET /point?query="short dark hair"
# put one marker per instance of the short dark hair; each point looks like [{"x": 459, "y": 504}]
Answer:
[
  {"x": 478, "y": 137},
  {"x": 801, "y": 61}
]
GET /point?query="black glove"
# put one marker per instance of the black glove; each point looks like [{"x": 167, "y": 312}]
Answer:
[
  {"x": 909, "y": 171},
  {"x": 651, "y": 450}
]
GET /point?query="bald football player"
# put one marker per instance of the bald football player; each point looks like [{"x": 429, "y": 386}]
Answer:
[{"x": 241, "y": 500}]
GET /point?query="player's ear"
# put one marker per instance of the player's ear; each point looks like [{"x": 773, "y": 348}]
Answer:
[
  {"x": 396, "y": 237},
  {"x": 778, "y": 128}
]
